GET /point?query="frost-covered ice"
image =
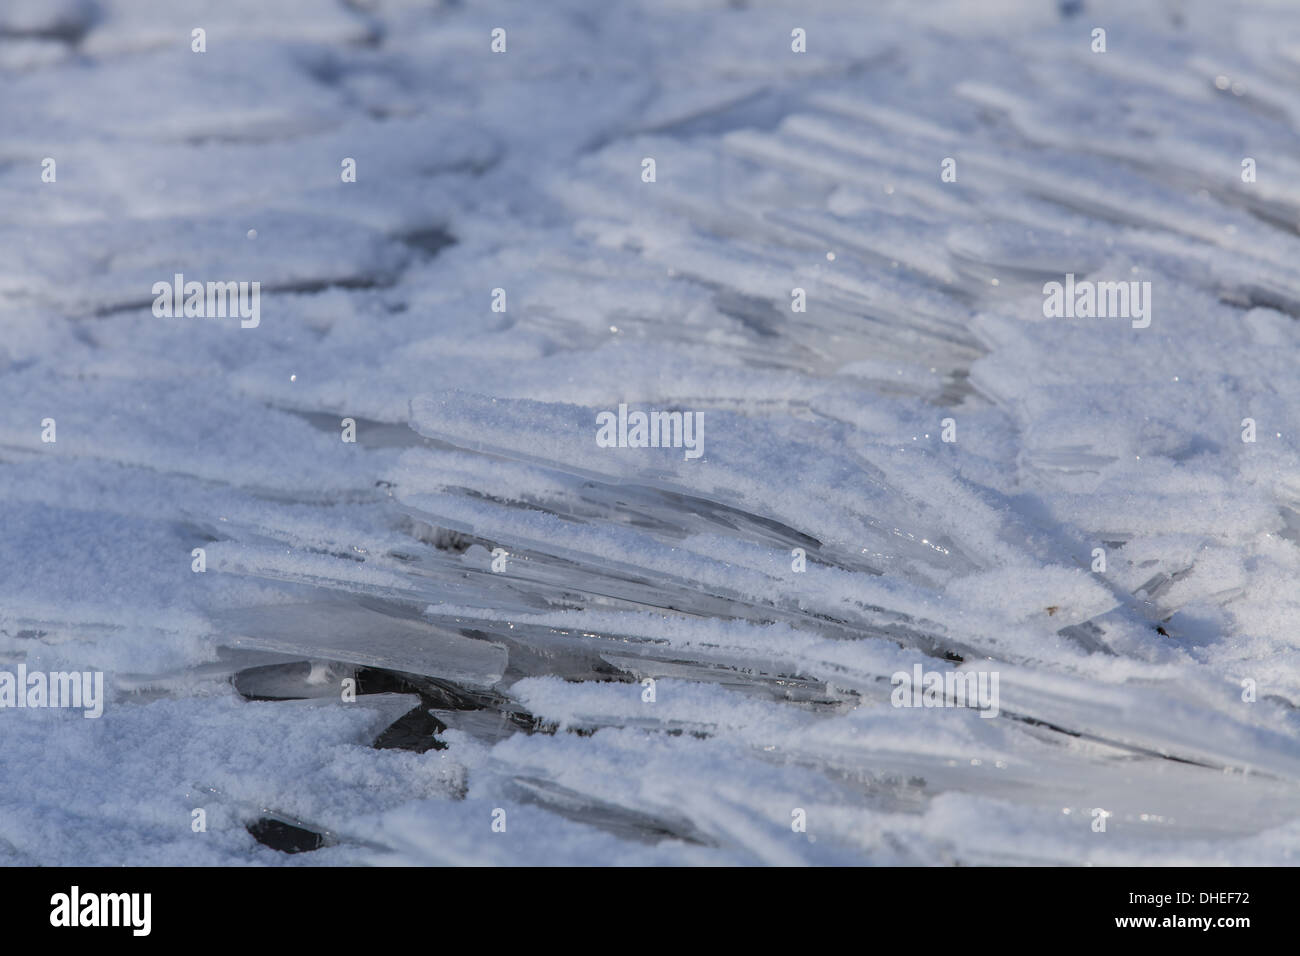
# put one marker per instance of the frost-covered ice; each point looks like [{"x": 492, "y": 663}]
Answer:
[{"x": 1120, "y": 691}]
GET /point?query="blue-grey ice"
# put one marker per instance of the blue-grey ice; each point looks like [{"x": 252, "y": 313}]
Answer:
[{"x": 639, "y": 655}]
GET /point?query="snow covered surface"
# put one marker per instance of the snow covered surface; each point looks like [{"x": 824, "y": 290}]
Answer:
[{"x": 1120, "y": 691}]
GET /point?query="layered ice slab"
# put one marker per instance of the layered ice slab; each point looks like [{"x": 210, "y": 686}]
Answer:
[{"x": 940, "y": 574}]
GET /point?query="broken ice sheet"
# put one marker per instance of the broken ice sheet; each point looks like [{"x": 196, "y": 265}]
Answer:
[
  {"x": 1122, "y": 688},
  {"x": 344, "y": 631}
]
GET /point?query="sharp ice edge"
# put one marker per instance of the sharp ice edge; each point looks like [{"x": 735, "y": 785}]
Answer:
[{"x": 821, "y": 434}]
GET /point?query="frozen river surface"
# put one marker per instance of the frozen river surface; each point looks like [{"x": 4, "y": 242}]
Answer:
[{"x": 907, "y": 462}]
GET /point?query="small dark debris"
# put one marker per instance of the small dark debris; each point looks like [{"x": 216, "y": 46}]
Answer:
[
  {"x": 284, "y": 837},
  {"x": 415, "y": 730}
]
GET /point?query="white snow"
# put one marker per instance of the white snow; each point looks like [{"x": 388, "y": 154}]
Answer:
[{"x": 1121, "y": 690}]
